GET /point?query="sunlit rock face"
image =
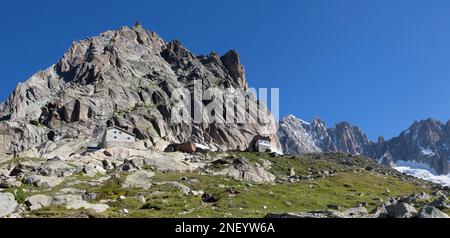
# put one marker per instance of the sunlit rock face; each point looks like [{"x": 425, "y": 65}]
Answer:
[
  {"x": 426, "y": 142},
  {"x": 125, "y": 78}
]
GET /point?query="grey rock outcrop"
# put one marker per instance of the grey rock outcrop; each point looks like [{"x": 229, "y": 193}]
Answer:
[
  {"x": 42, "y": 181},
  {"x": 139, "y": 179},
  {"x": 298, "y": 137},
  {"x": 349, "y": 213},
  {"x": 9, "y": 183},
  {"x": 431, "y": 212},
  {"x": 243, "y": 170},
  {"x": 441, "y": 202},
  {"x": 125, "y": 78},
  {"x": 76, "y": 202},
  {"x": 181, "y": 187},
  {"x": 55, "y": 168},
  {"x": 8, "y": 204},
  {"x": 401, "y": 210},
  {"x": 424, "y": 142},
  {"x": 39, "y": 201}
]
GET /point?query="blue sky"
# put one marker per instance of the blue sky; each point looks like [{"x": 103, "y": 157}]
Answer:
[{"x": 377, "y": 64}]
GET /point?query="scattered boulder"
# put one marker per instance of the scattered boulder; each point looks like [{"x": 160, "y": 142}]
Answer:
[
  {"x": 76, "y": 202},
  {"x": 209, "y": 198},
  {"x": 23, "y": 168},
  {"x": 108, "y": 165},
  {"x": 401, "y": 210},
  {"x": 183, "y": 188},
  {"x": 8, "y": 204},
  {"x": 431, "y": 212},
  {"x": 42, "y": 181},
  {"x": 72, "y": 191},
  {"x": 313, "y": 214},
  {"x": 55, "y": 168},
  {"x": 415, "y": 197},
  {"x": 89, "y": 170},
  {"x": 139, "y": 179},
  {"x": 292, "y": 173},
  {"x": 141, "y": 199},
  {"x": 438, "y": 193},
  {"x": 379, "y": 212},
  {"x": 37, "y": 202},
  {"x": 9, "y": 183},
  {"x": 441, "y": 202},
  {"x": 197, "y": 192},
  {"x": 334, "y": 207},
  {"x": 356, "y": 211},
  {"x": 243, "y": 170},
  {"x": 232, "y": 191}
]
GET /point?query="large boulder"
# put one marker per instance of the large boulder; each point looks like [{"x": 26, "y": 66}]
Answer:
[
  {"x": 9, "y": 183},
  {"x": 37, "y": 202},
  {"x": 24, "y": 167},
  {"x": 401, "y": 210},
  {"x": 56, "y": 168},
  {"x": 441, "y": 202},
  {"x": 139, "y": 179},
  {"x": 15, "y": 137},
  {"x": 8, "y": 204},
  {"x": 313, "y": 214},
  {"x": 415, "y": 198},
  {"x": 356, "y": 211},
  {"x": 242, "y": 169},
  {"x": 183, "y": 188},
  {"x": 136, "y": 159},
  {"x": 431, "y": 212},
  {"x": 76, "y": 202},
  {"x": 42, "y": 181}
]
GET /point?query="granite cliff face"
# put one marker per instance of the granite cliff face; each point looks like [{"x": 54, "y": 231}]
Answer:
[
  {"x": 298, "y": 137},
  {"x": 124, "y": 78},
  {"x": 425, "y": 143}
]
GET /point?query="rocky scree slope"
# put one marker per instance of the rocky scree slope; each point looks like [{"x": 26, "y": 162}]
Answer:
[{"x": 124, "y": 182}]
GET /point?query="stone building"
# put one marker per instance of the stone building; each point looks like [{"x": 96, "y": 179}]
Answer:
[{"x": 115, "y": 136}]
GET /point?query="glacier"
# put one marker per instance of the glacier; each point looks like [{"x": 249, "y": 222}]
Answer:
[{"x": 425, "y": 174}]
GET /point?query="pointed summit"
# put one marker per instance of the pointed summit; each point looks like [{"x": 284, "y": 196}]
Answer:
[{"x": 121, "y": 75}]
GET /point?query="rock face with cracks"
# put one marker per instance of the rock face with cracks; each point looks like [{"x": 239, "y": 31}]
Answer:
[{"x": 125, "y": 78}]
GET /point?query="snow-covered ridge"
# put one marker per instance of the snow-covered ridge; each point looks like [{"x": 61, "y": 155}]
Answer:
[{"x": 425, "y": 174}]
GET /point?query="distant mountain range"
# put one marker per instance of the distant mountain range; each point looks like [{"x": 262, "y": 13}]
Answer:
[{"x": 424, "y": 143}]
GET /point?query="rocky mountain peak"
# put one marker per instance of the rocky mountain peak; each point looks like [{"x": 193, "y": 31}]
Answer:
[
  {"x": 350, "y": 139},
  {"x": 298, "y": 136},
  {"x": 318, "y": 122},
  {"x": 426, "y": 142},
  {"x": 232, "y": 63},
  {"x": 125, "y": 77}
]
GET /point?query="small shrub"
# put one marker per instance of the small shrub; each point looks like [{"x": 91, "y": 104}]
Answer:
[{"x": 20, "y": 195}]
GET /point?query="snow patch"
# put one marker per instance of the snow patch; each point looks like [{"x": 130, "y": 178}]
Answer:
[
  {"x": 414, "y": 164},
  {"x": 425, "y": 174},
  {"x": 428, "y": 152},
  {"x": 292, "y": 117}
]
